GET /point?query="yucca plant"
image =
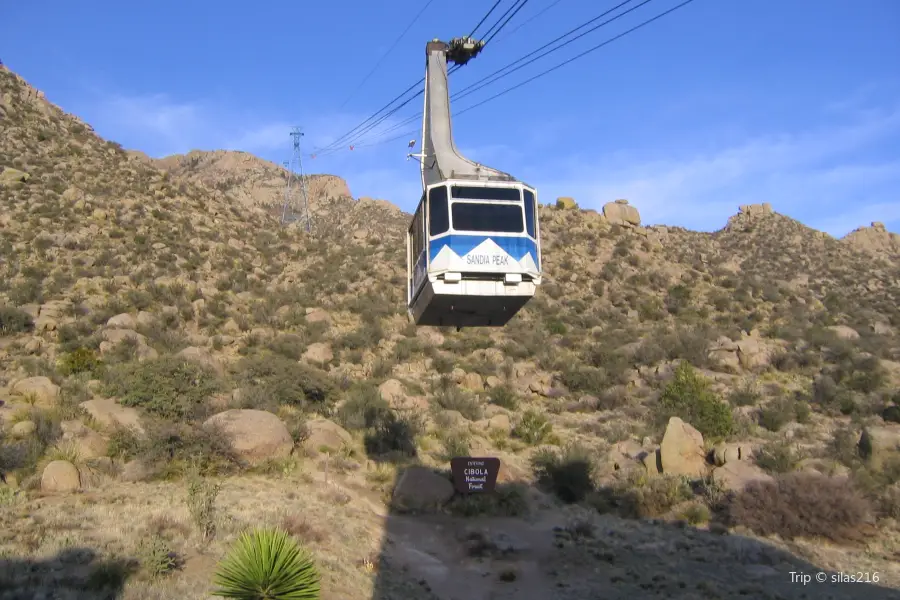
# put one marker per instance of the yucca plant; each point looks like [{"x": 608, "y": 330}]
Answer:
[{"x": 267, "y": 564}]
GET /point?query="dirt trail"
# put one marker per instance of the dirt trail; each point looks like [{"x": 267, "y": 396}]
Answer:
[{"x": 465, "y": 559}]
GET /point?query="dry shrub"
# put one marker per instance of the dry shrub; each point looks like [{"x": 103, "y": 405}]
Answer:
[
  {"x": 802, "y": 505},
  {"x": 301, "y": 528}
]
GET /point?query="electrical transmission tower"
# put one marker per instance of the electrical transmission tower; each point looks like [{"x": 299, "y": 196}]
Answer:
[{"x": 291, "y": 213}]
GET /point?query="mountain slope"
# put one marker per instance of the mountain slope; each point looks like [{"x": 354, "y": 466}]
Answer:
[
  {"x": 250, "y": 180},
  {"x": 134, "y": 295}
]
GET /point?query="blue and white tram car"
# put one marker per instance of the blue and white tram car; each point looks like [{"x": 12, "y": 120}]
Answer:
[{"x": 473, "y": 253}]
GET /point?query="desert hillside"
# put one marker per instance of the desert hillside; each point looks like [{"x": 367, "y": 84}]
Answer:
[
  {"x": 250, "y": 180},
  {"x": 678, "y": 414}
]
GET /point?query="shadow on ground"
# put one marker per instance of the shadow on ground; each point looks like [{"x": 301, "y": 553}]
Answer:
[
  {"x": 73, "y": 574},
  {"x": 467, "y": 552}
]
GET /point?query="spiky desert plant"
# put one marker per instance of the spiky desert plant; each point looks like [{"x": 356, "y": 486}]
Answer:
[{"x": 267, "y": 564}]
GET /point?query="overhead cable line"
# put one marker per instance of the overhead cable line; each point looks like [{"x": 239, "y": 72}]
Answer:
[
  {"x": 345, "y": 137},
  {"x": 455, "y": 67},
  {"x": 529, "y": 19},
  {"x": 489, "y": 35},
  {"x": 388, "y": 51},
  {"x": 499, "y": 73},
  {"x": 577, "y": 56},
  {"x": 484, "y": 18},
  {"x": 368, "y": 125},
  {"x": 551, "y": 69},
  {"x": 330, "y": 149}
]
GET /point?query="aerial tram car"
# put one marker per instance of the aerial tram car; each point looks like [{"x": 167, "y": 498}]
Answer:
[{"x": 474, "y": 243}]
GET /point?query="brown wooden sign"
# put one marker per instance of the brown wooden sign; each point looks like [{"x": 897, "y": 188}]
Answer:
[{"x": 474, "y": 475}]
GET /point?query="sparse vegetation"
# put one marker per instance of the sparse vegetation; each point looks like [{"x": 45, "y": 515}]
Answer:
[
  {"x": 14, "y": 320},
  {"x": 128, "y": 318},
  {"x": 689, "y": 397},
  {"x": 802, "y": 505},
  {"x": 569, "y": 473}
]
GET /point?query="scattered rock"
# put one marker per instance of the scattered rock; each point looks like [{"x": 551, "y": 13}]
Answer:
[
  {"x": 9, "y": 176},
  {"x": 41, "y": 388},
  {"x": 318, "y": 352},
  {"x": 23, "y": 429},
  {"x": 123, "y": 321},
  {"x": 844, "y": 332},
  {"x": 723, "y": 453},
  {"x": 203, "y": 357},
  {"x": 255, "y": 435},
  {"x": 566, "y": 203},
  {"x": 736, "y": 475},
  {"x": 316, "y": 315},
  {"x": 325, "y": 435},
  {"x": 110, "y": 413},
  {"x": 419, "y": 488},
  {"x": 60, "y": 476},
  {"x": 878, "y": 443},
  {"x": 621, "y": 213},
  {"x": 681, "y": 451}
]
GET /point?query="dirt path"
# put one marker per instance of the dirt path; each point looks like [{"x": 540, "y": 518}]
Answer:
[{"x": 466, "y": 559}]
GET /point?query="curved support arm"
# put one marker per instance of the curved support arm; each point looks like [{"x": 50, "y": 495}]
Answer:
[{"x": 441, "y": 159}]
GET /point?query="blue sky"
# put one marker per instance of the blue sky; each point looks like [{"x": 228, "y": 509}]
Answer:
[{"x": 721, "y": 103}]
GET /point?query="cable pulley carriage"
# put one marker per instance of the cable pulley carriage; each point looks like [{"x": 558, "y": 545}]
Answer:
[{"x": 473, "y": 245}]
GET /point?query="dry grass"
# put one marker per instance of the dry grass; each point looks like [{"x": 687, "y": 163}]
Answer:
[
  {"x": 114, "y": 522},
  {"x": 803, "y": 505},
  {"x": 310, "y": 327}
]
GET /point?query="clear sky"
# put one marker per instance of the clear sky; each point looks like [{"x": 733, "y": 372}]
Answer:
[{"x": 721, "y": 103}]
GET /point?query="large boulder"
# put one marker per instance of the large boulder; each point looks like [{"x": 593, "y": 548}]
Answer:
[
  {"x": 324, "y": 435},
  {"x": 9, "y": 176},
  {"x": 621, "y": 213},
  {"x": 40, "y": 388},
  {"x": 877, "y": 443},
  {"x": 110, "y": 413},
  {"x": 255, "y": 435},
  {"x": 202, "y": 357},
  {"x": 681, "y": 450},
  {"x": 60, "y": 476},
  {"x": 421, "y": 488},
  {"x": 318, "y": 352}
]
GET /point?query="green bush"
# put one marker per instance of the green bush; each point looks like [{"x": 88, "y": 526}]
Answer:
[
  {"x": 80, "y": 360},
  {"x": 168, "y": 387},
  {"x": 267, "y": 564},
  {"x": 13, "y": 320},
  {"x": 455, "y": 442},
  {"x": 532, "y": 428},
  {"x": 286, "y": 381},
  {"x": 588, "y": 380},
  {"x": 776, "y": 457},
  {"x": 689, "y": 397},
  {"x": 891, "y": 414},
  {"x": 642, "y": 498},
  {"x": 363, "y": 408},
  {"x": 570, "y": 474},
  {"x": 394, "y": 434},
  {"x": 507, "y": 500},
  {"x": 289, "y": 345},
  {"x": 169, "y": 449},
  {"x": 450, "y": 397},
  {"x": 505, "y": 396}
]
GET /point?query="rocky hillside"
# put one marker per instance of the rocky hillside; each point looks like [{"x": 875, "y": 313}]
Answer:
[
  {"x": 250, "y": 180},
  {"x": 875, "y": 240},
  {"x": 173, "y": 362}
]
